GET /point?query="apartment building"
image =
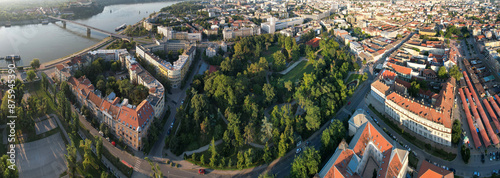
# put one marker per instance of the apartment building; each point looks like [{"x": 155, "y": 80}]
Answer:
[
  {"x": 430, "y": 121},
  {"x": 170, "y": 34},
  {"x": 175, "y": 72}
]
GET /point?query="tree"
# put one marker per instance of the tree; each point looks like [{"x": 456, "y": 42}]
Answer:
[
  {"x": 332, "y": 136},
  {"x": 266, "y": 129},
  {"x": 267, "y": 157},
  {"x": 104, "y": 174},
  {"x": 456, "y": 132},
  {"x": 115, "y": 66},
  {"x": 266, "y": 175},
  {"x": 241, "y": 160},
  {"x": 249, "y": 133},
  {"x": 257, "y": 51},
  {"x": 306, "y": 164},
  {"x": 71, "y": 159},
  {"x": 213, "y": 159},
  {"x": 8, "y": 170},
  {"x": 455, "y": 72},
  {"x": 465, "y": 153},
  {"x": 415, "y": 88},
  {"x": 202, "y": 159},
  {"x": 442, "y": 73},
  {"x": 282, "y": 146},
  {"x": 249, "y": 157},
  {"x": 313, "y": 117},
  {"x": 101, "y": 85},
  {"x": 98, "y": 147},
  {"x": 279, "y": 61},
  {"x": 88, "y": 160},
  {"x": 269, "y": 93},
  {"x": 35, "y": 63},
  {"x": 30, "y": 75},
  {"x": 311, "y": 55}
]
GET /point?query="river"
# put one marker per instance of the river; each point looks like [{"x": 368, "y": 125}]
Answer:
[{"x": 52, "y": 41}]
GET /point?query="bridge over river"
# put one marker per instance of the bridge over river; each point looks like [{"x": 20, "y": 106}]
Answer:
[{"x": 89, "y": 28}]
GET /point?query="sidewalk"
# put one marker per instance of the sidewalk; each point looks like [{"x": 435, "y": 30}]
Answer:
[{"x": 293, "y": 66}]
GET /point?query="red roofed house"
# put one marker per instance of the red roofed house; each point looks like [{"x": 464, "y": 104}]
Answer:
[
  {"x": 428, "y": 170},
  {"x": 314, "y": 42},
  {"x": 368, "y": 151},
  {"x": 403, "y": 72}
]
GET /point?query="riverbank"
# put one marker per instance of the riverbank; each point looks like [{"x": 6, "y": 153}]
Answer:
[{"x": 22, "y": 22}]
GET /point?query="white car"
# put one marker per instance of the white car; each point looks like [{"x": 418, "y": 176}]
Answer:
[{"x": 298, "y": 150}]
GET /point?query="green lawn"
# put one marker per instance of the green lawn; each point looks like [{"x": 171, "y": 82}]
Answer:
[
  {"x": 297, "y": 72},
  {"x": 354, "y": 77},
  {"x": 269, "y": 53}
]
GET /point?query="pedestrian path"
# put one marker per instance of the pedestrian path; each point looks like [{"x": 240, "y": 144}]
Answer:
[{"x": 292, "y": 66}]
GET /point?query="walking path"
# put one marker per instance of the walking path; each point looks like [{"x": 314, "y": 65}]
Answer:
[{"x": 292, "y": 66}]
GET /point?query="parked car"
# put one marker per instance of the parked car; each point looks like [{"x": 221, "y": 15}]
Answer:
[
  {"x": 168, "y": 131},
  {"x": 308, "y": 143},
  {"x": 299, "y": 143},
  {"x": 298, "y": 150},
  {"x": 482, "y": 158},
  {"x": 201, "y": 171}
]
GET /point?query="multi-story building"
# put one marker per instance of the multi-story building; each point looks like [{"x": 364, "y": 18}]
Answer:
[
  {"x": 170, "y": 34},
  {"x": 274, "y": 24},
  {"x": 251, "y": 30},
  {"x": 369, "y": 151},
  {"x": 432, "y": 122},
  {"x": 174, "y": 72}
]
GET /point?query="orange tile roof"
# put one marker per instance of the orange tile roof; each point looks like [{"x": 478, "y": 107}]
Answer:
[
  {"x": 421, "y": 110},
  {"x": 95, "y": 99},
  {"x": 138, "y": 116},
  {"x": 400, "y": 69},
  {"x": 428, "y": 170},
  {"x": 381, "y": 87},
  {"x": 59, "y": 67},
  {"x": 387, "y": 74}
]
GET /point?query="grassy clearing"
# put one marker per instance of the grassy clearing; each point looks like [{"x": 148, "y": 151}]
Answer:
[
  {"x": 354, "y": 77},
  {"x": 297, "y": 72},
  {"x": 268, "y": 54}
]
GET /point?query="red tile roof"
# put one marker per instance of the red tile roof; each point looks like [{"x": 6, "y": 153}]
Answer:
[
  {"x": 400, "y": 69},
  {"x": 313, "y": 42},
  {"x": 95, "y": 99},
  {"x": 138, "y": 116},
  {"x": 428, "y": 170},
  {"x": 387, "y": 74},
  {"x": 421, "y": 110}
]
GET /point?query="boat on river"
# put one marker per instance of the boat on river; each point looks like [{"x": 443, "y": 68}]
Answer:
[{"x": 121, "y": 27}]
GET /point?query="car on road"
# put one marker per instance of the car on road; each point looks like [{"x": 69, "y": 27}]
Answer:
[
  {"x": 168, "y": 131},
  {"x": 201, "y": 171},
  {"x": 477, "y": 173},
  {"x": 172, "y": 125},
  {"x": 182, "y": 102},
  {"x": 308, "y": 143},
  {"x": 174, "y": 102},
  {"x": 349, "y": 103},
  {"x": 298, "y": 150}
]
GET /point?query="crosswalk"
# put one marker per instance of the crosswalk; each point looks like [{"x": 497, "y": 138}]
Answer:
[{"x": 137, "y": 165}]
